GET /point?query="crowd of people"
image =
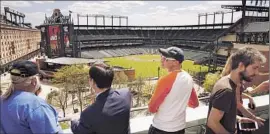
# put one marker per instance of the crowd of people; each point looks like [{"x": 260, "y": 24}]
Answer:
[{"x": 22, "y": 111}]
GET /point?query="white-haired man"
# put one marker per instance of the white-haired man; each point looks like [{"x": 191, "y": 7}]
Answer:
[{"x": 22, "y": 111}]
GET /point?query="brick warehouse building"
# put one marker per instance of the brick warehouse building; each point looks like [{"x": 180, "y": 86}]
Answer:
[{"x": 18, "y": 40}]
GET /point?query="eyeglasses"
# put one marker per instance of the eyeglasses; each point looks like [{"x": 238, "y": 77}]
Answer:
[{"x": 166, "y": 58}]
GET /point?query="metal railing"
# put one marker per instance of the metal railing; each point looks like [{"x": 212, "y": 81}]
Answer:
[
  {"x": 193, "y": 126},
  {"x": 64, "y": 119}
]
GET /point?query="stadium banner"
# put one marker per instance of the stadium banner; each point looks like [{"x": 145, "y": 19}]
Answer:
[
  {"x": 67, "y": 43},
  {"x": 43, "y": 42},
  {"x": 54, "y": 35}
]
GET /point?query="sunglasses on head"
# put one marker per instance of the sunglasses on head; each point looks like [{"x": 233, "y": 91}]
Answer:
[{"x": 166, "y": 58}]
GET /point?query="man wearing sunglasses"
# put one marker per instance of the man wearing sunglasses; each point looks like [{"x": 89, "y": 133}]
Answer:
[{"x": 172, "y": 95}]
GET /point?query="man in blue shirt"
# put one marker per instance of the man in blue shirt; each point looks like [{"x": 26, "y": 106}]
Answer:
[{"x": 21, "y": 110}]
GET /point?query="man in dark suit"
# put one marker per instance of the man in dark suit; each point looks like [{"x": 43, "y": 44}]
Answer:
[{"x": 110, "y": 113}]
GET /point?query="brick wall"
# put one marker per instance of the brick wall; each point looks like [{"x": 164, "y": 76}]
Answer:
[{"x": 17, "y": 42}]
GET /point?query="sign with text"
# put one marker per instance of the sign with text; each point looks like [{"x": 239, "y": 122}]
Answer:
[{"x": 54, "y": 35}]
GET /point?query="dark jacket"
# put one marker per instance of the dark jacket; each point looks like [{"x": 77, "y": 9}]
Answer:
[{"x": 109, "y": 114}]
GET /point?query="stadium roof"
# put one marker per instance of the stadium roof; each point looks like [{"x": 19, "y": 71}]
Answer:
[
  {"x": 248, "y": 8},
  {"x": 70, "y": 61}
]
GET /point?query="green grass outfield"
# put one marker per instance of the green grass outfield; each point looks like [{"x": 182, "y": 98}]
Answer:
[{"x": 147, "y": 65}]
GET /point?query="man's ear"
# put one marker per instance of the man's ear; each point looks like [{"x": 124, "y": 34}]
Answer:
[
  {"x": 91, "y": 82},
  {"x": 241, "y": 66},
  {"x": 33, "y": 81}
]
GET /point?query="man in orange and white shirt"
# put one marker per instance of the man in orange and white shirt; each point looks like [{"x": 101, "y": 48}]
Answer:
[{"x": 173, "y": 93}]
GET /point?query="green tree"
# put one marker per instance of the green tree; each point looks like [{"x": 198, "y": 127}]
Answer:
[
  {"x": 210, "y": 80},
  {"x": 59, "y": 99},
  {"x": 73, "y": 79}
]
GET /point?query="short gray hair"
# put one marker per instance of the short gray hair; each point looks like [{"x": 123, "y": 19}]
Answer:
[{"x": 19, "y": 81}]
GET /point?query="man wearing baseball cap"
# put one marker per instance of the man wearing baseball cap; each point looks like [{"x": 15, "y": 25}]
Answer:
[
  {"x": 21, "y": 110},
  {"x": 172, "y": 95}
]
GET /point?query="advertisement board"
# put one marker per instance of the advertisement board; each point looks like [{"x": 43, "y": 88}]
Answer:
[{"x": 54, "y": 36}]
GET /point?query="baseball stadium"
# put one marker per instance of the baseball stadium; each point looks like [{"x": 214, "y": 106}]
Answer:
[{"x": 59, "y": 46}]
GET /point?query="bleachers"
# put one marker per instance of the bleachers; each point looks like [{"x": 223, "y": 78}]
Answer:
[
  {"x": 106, "y": 34},
  {"x": 133, "y": 36},
  {"x": 118, "y": 52},
  {"x": 99, "y": 42}
]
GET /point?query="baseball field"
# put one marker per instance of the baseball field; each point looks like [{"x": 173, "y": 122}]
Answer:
[{"x": 147, "y": 65}]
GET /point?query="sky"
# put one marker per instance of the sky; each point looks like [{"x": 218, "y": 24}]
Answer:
[{"x": 138, "y": 12}]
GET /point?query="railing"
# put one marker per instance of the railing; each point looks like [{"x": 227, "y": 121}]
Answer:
[
  {"x": 195, "y": 118},
  {"x": 64, "y": 119}
]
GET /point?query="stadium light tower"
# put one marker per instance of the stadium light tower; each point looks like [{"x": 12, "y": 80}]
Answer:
[
  {"x": 214, "y": 15},
  {"x": 96, "y": 16}
]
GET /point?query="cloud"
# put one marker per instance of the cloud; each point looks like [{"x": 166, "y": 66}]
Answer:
[
  {"x": 104, "y": 7},
  {"x": 158, "y": 8},
  {"x": 198, "y": 8},
  {"x": 49, "y": 10},
  {"x": 157, "y": 15},
  {"x": 36, "y": 18},
  {"x": 124, "y": 5},
  {"x": 42, "y": 2},
  {"x": 162, "y": 15},
  {"x": 89, "y": 7},
  {"x": 184, "y": 15},
  {"x": 16, "y": 4},
  {"x": 224, "y": 3},
  {"x": 162, "y": 18}
]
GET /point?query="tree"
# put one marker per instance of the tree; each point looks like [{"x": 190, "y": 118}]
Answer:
[
  {"x": 60, "y": 99},
  {"x": 74, "y": 79},
  {"x": 80, "y": 82},
  {"x": 210, "y": 80}
]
